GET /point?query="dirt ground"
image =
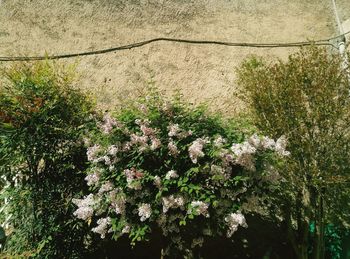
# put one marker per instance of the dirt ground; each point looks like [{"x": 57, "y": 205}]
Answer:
[{"x": 201, "y": 73}]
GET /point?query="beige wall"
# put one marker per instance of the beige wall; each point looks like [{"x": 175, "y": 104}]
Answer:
[{"x": 202, "y": 73}]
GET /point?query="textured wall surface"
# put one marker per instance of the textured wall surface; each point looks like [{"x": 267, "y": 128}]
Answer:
[{"x": 201, "y": 73}]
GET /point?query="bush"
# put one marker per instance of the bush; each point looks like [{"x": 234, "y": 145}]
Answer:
[
  {"x": 307, "y": 99},
  {"x": 42, "y": 119},
  {"x": 166, "y": 167}
]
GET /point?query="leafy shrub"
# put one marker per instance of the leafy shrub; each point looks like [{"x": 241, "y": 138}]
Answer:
[
  {"x": 42, "y": 118},
  {"x": 307, "y": 99},
  {"x": 166, "y": 166}
]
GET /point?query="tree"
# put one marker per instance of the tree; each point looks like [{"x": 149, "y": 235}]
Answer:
[
  {"x": 307, "y": 99},
  {"x": 42, "y": 118}
]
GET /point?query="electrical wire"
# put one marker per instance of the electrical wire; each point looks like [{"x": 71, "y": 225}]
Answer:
[{"x": 323, "y": 42}]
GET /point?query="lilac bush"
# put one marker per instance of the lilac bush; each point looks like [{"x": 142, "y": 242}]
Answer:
[{"x": 170, "y": 167}]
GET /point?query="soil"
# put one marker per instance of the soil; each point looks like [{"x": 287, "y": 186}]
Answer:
[{"x": 200, "y": 73}]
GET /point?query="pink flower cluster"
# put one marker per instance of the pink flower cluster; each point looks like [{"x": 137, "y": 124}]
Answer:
[
  {"x": 173, "y": 150},
  {"x": 108, "y": 124},
  {"x": 148, "y": 135},
  {"x": 132, "y": 177}
]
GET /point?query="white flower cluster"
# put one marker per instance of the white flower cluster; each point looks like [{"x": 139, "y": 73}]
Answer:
[
  {"x": 171, "y": 175},
  {"x": 92, "y": 178},
  {"x": 92, "y": 152},
  {"x": 244, "y": 152},
  {"x": 102, "y": 226},
  {"x": 117, "y": 201},
  {"x": 196, "y": 149},
  {"x": 200, "y": 208},
  {"x": 266, "y": 143},
  {"x": 157, "y": 181},
  {"x": 219, "y": 142},
  {"x": 280, "y": 146},
  {"x": 172, "y": 202},
  {"x": 112, "y": 150},
  {"x": 155, "y": 143},
  {"x": 244, "y": 155},
  {"x": 105, "y": 187},
  {"x": 85, "y": 207},
  {"x": 176, "y": 131},
  {"x": 173, "y": 130},
  {"x": 234, "y": 220},
  {"x": 126, "y": 229},
  {"x": 145, "y": 211}
]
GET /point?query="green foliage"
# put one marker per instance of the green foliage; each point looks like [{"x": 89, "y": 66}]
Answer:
[
  {"x": 42, "y": 119},
  {"x": 307, "y": 99},
  {"x": 166, "y": 166}
]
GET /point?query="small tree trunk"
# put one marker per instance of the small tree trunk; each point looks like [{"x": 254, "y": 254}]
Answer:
[
  {"x": 303, "y": 253},
  {"x": 320, "y": 229},
  {"x": 303, "y": 240}
]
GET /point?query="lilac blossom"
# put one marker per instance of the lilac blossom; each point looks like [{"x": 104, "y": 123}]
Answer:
[
  {"x": 92, "y": 178},
  {"x": 200, "y": 208},
  {"x": 172, "y": 202},
  {"x": 268, "y": 143},
  {"x": 244, "y": 155},
  {"x": 196, "y": 149},
  {"x": 219, "y": 142},
  {"x": 173, "y": 148},
  {"x": 174, "y": 129},
  {"x": 155, "y": 143},
  {"x": 92, "y": 152},
  {"x": 171, "y": 174},
  {"x": 234, "y": 220},
  {"x": 280, "y": 146},
  {"x": 132, "y": 177},
  {"x": 145, "y": 211},
  {"x": 85, "y": 207},
  {"x": 108, "y": 123},
  {"x": 112, "y": 150},
  {"x": 126, "y": 229},
  {"x": 106, "y": 187},
  {"x": 102, "y": 226},
  {"x": 157, "y": 181}
]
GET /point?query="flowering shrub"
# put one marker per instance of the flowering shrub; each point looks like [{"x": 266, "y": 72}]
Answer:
[{"x": 166, "y": 166}]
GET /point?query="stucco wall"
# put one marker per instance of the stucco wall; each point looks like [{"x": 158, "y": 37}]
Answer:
[{"x": 201, "y": 73}]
